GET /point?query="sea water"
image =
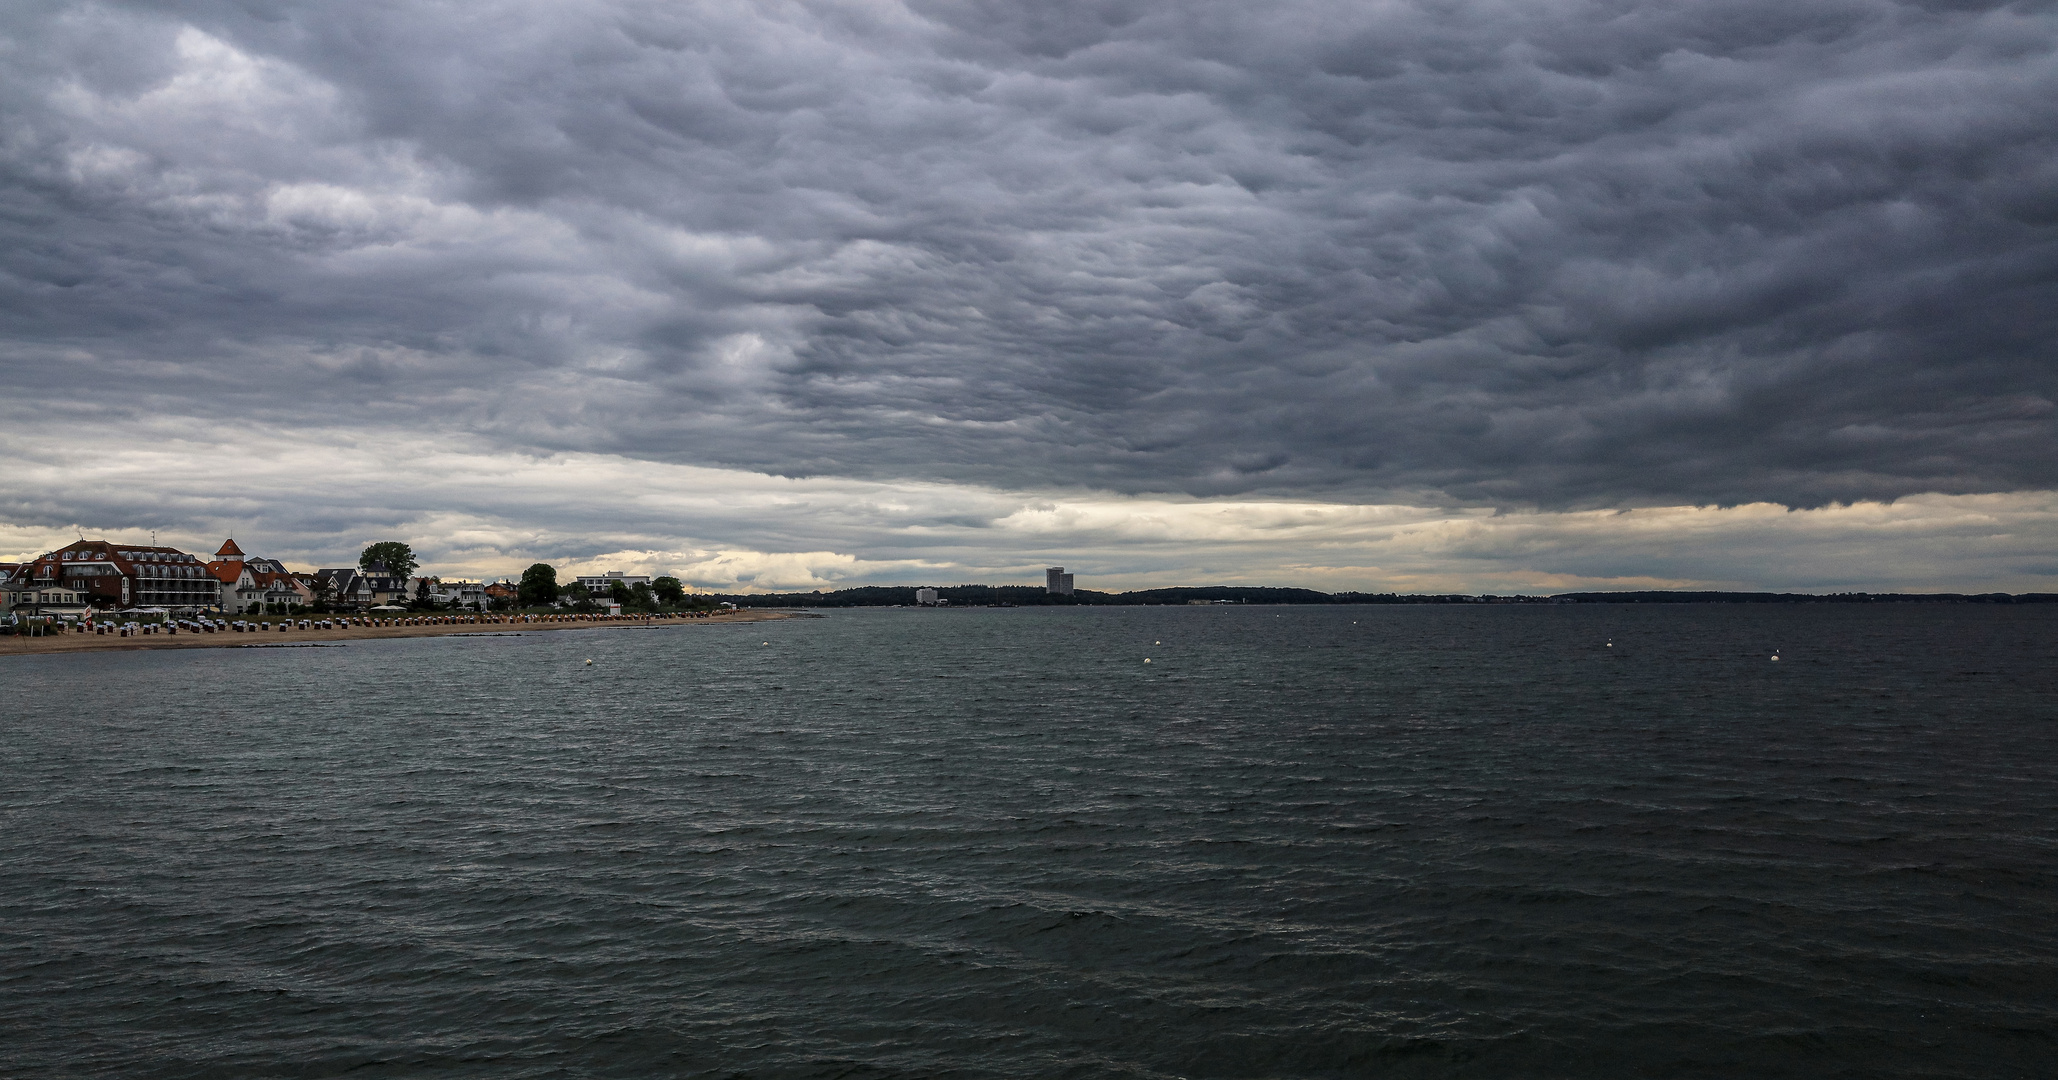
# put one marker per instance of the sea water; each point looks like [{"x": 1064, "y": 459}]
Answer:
[{"x": 1298, "y": 842}]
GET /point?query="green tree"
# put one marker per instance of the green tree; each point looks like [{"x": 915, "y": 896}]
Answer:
[
  {"x": 421, "y": 596},
  {"x": 539, "y": 586},
  {"x": 670, "y": 591},
  {"x": 641, "y": 598},
  {"x": 324, "y": 589},
  {"x": 396, "y": 557}
]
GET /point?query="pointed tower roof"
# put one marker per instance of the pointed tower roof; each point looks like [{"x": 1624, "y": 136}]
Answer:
[{"x": 229, "y": 548}]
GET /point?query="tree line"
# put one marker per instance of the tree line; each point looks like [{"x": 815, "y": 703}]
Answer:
[{"x": 539, "y": 587}]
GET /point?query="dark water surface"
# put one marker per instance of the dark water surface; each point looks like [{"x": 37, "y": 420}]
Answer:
[{"x": 1301, "y": 842}]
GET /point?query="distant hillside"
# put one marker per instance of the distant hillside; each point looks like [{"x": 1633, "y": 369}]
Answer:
[
  {"x": 1804, "y": 598},
  {"x": 1034, "y": 596}
]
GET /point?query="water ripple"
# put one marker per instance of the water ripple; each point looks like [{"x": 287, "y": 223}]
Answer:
[{"x": 1300, "y": 843}]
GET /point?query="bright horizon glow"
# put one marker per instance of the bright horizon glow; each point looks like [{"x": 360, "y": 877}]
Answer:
[{"x": 471, "y": 511}]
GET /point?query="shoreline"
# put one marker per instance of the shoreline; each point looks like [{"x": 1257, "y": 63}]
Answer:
[{"x": 75, "y": 642}]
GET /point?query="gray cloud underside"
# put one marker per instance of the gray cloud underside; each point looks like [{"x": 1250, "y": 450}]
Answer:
[{"x": 1554, "y": 254}]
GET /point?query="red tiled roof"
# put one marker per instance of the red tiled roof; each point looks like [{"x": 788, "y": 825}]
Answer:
[{"x": 228, "y": 548}]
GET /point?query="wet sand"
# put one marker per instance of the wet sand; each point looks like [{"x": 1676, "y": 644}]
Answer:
[{"x": 229, "y": 639}]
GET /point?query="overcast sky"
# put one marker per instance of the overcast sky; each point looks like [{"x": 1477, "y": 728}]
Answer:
[{"x": 1419, "y": 296}]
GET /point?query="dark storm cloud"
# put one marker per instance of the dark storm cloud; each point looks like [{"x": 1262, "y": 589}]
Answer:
[{"x": 1554, "y": 253}]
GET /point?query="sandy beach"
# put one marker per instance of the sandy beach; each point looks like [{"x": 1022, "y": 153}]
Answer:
[{"x": 225, "y": 639}]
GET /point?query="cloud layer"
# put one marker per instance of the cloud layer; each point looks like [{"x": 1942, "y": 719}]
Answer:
[
  {"x": 471, "y": 509},
  {"x": 1549, "y": 255}
]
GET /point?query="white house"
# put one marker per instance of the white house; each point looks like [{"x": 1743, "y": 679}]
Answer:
[
  {"x": 450, "y": 592},
  {"x": 603, "y": 584},
  {"x": 43, "y": 598}
]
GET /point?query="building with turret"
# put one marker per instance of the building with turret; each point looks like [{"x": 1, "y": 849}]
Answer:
[{"x": 255, "y": 585}]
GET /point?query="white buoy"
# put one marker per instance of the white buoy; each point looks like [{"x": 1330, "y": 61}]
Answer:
[
  {"x": 589, "y": 663},
  {"x": 1146, "y": 659}
]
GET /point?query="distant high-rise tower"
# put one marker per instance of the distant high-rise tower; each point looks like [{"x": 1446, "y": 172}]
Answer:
[{"x": 1056, "y": 581}]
